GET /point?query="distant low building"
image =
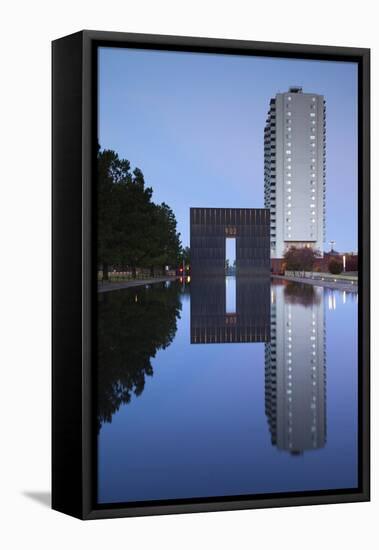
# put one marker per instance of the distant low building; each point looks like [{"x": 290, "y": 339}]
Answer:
[{"x": 351, "y": 260}]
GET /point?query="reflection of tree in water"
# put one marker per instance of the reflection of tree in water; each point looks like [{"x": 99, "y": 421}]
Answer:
[
  {"x": 302, "y": 294},
  {"x": 133, "y": 325}
]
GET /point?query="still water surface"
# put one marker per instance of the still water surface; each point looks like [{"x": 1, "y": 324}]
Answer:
[{"x": 226, "y": 387}]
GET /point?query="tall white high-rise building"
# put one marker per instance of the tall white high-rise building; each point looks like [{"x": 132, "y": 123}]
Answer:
[{"x": 294, "y": 146}]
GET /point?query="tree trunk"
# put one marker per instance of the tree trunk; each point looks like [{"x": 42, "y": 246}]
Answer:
[
  {"x": 105, "y": 271},
  {"x": 134, "y": 272},
  {"x": 152, "y": 271}
]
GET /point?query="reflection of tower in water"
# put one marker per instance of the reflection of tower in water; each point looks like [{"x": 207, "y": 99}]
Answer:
[{"x": 295, "y": 369}]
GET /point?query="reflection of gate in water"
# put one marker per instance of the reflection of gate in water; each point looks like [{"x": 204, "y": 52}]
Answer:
[{"x": 211, "y": 323}]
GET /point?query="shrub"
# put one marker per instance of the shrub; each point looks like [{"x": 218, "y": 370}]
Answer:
[
  {"x": 300, "y": 259},
  {"x": 335, "y": 266}
]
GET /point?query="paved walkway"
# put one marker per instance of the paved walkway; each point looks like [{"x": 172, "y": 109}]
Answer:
[
  {"x": 109, "y": 286},
  {"x": 339, "y": 285}
]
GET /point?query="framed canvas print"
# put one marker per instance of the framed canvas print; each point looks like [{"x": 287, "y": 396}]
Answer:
[{"x": 210, "y": 274}]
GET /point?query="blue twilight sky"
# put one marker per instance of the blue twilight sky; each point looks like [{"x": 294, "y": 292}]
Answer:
[{"x": 193, "y": 123}]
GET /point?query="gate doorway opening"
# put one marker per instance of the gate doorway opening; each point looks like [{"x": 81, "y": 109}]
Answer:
[{"x": 230, "y": 256}]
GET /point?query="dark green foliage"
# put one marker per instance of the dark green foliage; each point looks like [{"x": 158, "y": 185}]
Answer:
[
  {"x": 335, "y": 266},
  {"x": 300, "y": 259},
  {"x": 132, "y": 230},
  {"x": 133, "y": 324},
  {"x": 186, "y": 256}
]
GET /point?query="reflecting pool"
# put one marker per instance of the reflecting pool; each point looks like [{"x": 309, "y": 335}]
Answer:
[{"x": 224, "y": 387}]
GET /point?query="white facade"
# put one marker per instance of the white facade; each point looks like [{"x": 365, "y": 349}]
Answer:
[
  {"x": 295, "y": 370},
  {"x": 295, "y": 170}
]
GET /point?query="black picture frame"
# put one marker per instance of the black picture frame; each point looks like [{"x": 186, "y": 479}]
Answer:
[{"x": 74, "y": 123}]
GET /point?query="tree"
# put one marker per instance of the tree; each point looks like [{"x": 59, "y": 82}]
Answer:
[
  {"x": 167, "y": 246},
  {"x": 138, "y": 224},
  {"x": 300, "y": 259},
  {"x": 335, "y": 266},
  {"x": 185, "y": 256},
  {"x": 113, "y": 175},
  {"x": 132, "y": 230}
]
